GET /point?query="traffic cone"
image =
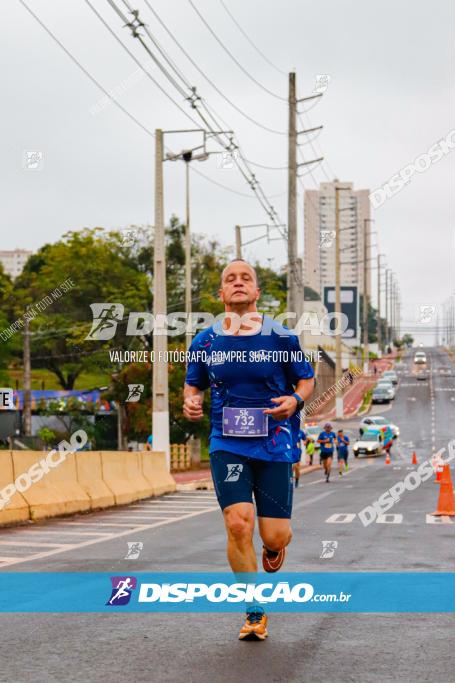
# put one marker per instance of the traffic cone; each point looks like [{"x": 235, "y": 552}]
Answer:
[
  {"x": 446, "y": 501},
  {"x": 387, "y": 458},
  {"x": 414, "y": 459}
]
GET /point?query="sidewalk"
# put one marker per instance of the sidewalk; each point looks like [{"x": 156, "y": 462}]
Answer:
[{"x": 353, "y": 397}]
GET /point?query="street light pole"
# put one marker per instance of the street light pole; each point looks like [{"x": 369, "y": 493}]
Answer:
[
  {"x": 365, "y": 296},
  {"x": 188, "y": 283},
  {"x": 160, "y": 407},
  {"x": 238, "y": 242}
]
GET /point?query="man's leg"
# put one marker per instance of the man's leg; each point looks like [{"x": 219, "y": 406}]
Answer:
[
  {"x": 239, "y": 522},
  {"x": 275, "y": 533}
]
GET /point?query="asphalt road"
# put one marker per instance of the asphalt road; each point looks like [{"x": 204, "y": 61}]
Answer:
[{"x": 185, "y": 532}]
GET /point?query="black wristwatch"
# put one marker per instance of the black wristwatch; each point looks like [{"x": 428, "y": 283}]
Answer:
[{"x": 300, "y": 402}]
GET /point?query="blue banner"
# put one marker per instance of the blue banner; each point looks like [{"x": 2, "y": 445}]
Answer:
[{"x": 226, "y": 592}]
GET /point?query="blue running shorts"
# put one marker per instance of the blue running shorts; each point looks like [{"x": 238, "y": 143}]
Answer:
[{"x": 237, "y": 478}]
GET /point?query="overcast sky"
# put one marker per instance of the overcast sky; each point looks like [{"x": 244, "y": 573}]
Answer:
[{"x": 391, "y": 96}]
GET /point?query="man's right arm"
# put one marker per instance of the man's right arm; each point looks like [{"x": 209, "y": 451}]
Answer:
[{"x": 192, "y": 403}]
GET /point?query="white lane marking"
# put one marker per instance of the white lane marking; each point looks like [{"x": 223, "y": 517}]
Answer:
[
  {"x": 189, "y": 497},
  {"x": 101, "y": 524},
  {"x": 351, "y": 470},
  {"x": 341, "y": 518},
  {"x": 312, "y": 500},
  {"x": 107, "y": 537},
  {"x": 7, "y": 560},
  {"x": 40, "y": 544},
  {"x": 438, "y": 519},
  {"x": 389, "y": 518},
  {"x": 62, "y": 533}
]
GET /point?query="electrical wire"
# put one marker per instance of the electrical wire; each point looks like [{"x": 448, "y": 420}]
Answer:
[
  {"x": 251, "y": 42},
  {"x": 120, "y": 106},
  {"x": 242, "y": 68},
  {"x": 209, "y": 80}
]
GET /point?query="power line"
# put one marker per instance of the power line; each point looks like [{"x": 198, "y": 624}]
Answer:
[
  {"x": 120, "y": 106},
  {"x": 210, "y": 81},
  {"x": 246, "y": 172},
  {"x": 251, "y": 42},
  {"x": 242, "y": 68}
]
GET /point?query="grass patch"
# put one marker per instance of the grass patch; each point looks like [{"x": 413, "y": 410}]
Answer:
[
  {"x": 44, "y": 379},
  {"x": 366, "y": 400}
]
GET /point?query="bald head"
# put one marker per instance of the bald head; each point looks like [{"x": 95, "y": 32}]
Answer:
[
  {"x": 243, "y": 265},
  {"x": 239, "y": 289}
]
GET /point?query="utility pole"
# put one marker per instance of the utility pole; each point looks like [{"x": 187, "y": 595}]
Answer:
[
  {"x": 160, "y": 414},
  {"x": 238, "y": 242},
  {"x": 386, "y": 341},
  {"x": 378, "y": 319},
  {"x": 338, "y": 361},
  {"x": 365, "y": 296},
  {"x": 188, "y": 337},
  {"x": 292, "y": 197},
  {"x": 27, "y": 380}
]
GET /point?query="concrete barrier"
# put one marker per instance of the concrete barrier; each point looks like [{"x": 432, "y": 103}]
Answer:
[
  {"x": 90, "y": 478},
  {"x": 17, "y": 509},
  {"x": 122, "y": 473},
  {"x": 154, "y": 469},
  {"x": 57, "y": 492}
]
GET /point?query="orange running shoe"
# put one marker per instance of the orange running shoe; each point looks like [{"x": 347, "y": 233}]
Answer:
[
  {"x": 272, "y": 560},
  {"x": 255, "y": 626}
]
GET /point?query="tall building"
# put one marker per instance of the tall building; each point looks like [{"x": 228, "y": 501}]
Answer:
[
  {"x": 319, "y": 259},
  {"x": 14, "y": 261}
]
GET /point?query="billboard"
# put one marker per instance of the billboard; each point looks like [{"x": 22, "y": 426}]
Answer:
[{"x": 349, "y": 306}]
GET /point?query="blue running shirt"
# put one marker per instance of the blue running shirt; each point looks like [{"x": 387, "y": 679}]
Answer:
[{"x": 247, "y": 372}]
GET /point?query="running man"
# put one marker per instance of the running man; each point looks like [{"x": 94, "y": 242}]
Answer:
[
  {"x": 326, "y": 439},
  {"x": 342, "y": 451},
  {"x": 254, "y": 415}
]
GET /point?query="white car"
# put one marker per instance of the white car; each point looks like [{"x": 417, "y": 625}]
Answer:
[
  {"x": 370, "y": 443},
  {"x": 420, "y": 358},
  {"x": 390, "y": 375},
  {"x": 385, "y": 384},
  {"x": 378, "y": 421}
]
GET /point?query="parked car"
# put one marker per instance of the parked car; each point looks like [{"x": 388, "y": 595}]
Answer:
[
  {"x": 387, "y": 385},
  {"x": 391, "y": 376},
  {"x": 380, "y": 395},
  {"x": 378, "y": 421}
]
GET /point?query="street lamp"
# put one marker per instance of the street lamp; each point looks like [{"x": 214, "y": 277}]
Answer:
[{"x": 188, "y": 156}]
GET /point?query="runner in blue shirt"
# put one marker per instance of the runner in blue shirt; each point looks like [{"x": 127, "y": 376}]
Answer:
[
  {"x": 259, "y": 380},
  {"x": 342, "y": 450},
  {"x": 326, "y": 439}
]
